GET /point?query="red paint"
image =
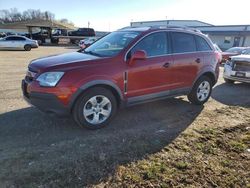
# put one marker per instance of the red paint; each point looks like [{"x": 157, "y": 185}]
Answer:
[{"x": 145, "y": 76}]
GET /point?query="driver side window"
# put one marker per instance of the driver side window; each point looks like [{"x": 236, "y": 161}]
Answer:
[{"x": 154, "y": 45}]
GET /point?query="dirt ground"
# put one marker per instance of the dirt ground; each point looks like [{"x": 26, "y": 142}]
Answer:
[{"x": 37, "y": 150}]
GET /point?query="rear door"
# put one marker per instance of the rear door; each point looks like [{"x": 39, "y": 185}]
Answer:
[
  {"x": 11, "y": 42},
  {"x": 19, "y": 42},
  {"x": 187, "y": 60},
  {"x": 206, "y": 51}
]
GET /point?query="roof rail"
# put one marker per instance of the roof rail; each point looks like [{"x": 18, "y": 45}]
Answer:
[
  {"x": 141, "y": 28},
  {"x": 161, "y": 27},
  {"x": 175, "y": 27}
]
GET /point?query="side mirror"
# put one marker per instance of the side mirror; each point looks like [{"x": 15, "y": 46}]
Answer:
[{"x": 138, "y": 55}]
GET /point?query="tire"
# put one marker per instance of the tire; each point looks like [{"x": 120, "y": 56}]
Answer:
[
  {"x": 27, "y": 47},
  {"x": 39, "y": 42},
  {"x": 229, "y": 81},
  {"x": 201, "y": 91},
  {"x": 89, "y": 112}
]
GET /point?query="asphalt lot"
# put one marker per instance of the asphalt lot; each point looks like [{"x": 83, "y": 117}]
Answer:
[{"x": 39, "y": 150}]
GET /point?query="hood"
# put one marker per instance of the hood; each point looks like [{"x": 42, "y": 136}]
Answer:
[
  {"x": 60, "y": 59},
  {"x": 229, "y": 53},
  {"x": 241, "y": 58}
]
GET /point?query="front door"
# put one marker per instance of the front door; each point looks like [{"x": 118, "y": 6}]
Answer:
[
  {"x": 151, "y": 75},
  {"x": 5, "y": 43}
]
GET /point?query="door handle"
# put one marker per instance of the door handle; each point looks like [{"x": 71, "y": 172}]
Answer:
[
  {"x": 166, "y": 65},
  {"x": 198, "y": 60}
]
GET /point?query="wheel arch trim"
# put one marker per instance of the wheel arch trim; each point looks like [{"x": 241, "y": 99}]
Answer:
[
  {"x": 93, "y": 83},
  {"x": 204, "y": 72}
]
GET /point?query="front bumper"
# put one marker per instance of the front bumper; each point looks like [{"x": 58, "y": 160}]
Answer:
[
  {"x": 233, "y": 75},
  {"x": 45, "y": 102}
]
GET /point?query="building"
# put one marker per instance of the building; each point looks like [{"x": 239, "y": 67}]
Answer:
[
  {"x": 42, "y": 30},
  {"x": 225, "y": 36},
  {"x": 228, "y": 36},
  {"x": 32, "y": 27}
]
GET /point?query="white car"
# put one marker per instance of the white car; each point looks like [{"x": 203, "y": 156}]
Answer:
[
  {"x": 87, "y": 42},
  {"x": 17, "y": 42},
  {"x": 237, "y": 68}
]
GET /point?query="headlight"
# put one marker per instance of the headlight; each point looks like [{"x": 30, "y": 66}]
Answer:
[{"x": 49, "y": 79}]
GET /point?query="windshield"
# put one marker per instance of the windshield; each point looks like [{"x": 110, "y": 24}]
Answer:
[
  {"x": 111, "y": 44},
  {"x": 235, "y": 50},
  {"x": 247, "y": 51}
]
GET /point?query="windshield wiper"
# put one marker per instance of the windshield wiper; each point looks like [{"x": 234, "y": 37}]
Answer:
[{"x": 92, "y": 53}]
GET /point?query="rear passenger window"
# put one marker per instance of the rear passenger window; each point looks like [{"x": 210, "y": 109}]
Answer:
[
  {"x": 154, "y": 44},
  {"x": 15, "y": 38},
  {"x": 10, "y": 38},
  {"x": 20, "y": 38},
  {"x": 202, "y": 44},
  {"x": 183, "y": 42}
]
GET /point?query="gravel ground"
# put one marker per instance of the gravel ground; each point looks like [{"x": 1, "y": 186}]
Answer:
[{"x": 37, "y": 150}]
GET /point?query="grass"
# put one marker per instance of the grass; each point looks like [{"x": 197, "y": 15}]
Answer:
[{"x": 208, "y": 157}]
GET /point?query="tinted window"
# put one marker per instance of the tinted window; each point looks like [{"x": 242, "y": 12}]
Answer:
[
  {"x": 154, "y": 44},
  {"x": 9, "y": 38},
  {"x": 15, "y": 38},
  {"x": 235, "y": 50},
  {"x": 20, "y": 38},
  {"x": 183, "y": 42},
  {"x": 247, "y": 51},
  {"x": 202, "y": 44}
]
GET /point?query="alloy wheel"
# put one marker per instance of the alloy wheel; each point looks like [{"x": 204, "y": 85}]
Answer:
[
  {"x": 97, "y": 109},
  {"x": 203, "y": 91}
]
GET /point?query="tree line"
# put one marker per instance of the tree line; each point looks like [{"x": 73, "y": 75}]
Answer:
[{"x": 13, "y": 15}]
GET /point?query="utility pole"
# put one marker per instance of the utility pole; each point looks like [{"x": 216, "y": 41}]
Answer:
[{"x": 88, "y": 24}]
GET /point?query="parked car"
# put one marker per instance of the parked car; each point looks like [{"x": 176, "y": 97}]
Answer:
[
  {"x": 246, "y": 51},
  {"x": 86, "y": 32},
  {"x": 232, "y": 52},
  {"x": 127, "y": 67},
  {"x": 80, "y": 33},
  {"x": 237, "y": 68},
  {"x": 87, "y": 42},
  {"x": 18, "y": 42},
  {"x": 40, "y": 36}
]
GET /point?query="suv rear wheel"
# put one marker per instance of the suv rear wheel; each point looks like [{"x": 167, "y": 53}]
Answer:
[
  {"x": 201, "y": 91},
  {"x": 95, "y": 108}
]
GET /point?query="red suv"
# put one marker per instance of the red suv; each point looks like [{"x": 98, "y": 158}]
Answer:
[{"x": 126, "y": 67}]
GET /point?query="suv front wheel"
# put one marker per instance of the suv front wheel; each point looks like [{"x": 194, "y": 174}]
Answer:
[
  {"x": 95, "y": 108},
  {"x": 201, "y": 91}
]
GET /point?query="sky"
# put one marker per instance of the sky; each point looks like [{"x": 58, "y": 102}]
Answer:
[{"x": 110, "y": 15}]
